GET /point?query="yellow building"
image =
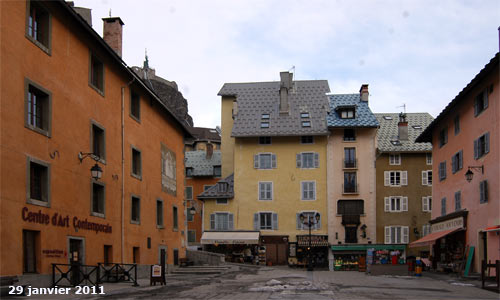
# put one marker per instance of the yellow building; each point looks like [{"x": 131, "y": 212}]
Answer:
[{"x": 274, "y": 143}]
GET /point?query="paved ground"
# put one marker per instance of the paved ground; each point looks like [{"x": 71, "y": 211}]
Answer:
[{"x": 286, "y": 283}]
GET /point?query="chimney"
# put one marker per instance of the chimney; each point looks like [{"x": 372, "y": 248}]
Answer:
[
  {"x": 402, "y": 127},
  {"x": 364, "y": 92},
  {"x": 285, "y": 85},
  {"x": 112, "y": 33},
  {"x": 85, "y": 13},
  {"x": 210, "y": 150}
]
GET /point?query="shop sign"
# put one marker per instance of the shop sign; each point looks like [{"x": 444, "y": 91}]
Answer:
[
  {"x": 53, "y": 253},
  {"x": 156, "y": 271},
  {"x": 447, "y": 225},
  {"x": 63, "y": 221},
  {"x": 239, "y": 242},
  {"x": 316, "y": 240}
]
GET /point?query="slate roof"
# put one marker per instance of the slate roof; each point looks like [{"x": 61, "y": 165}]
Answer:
[
  {"x": 363, "y": 115},
  {"x": 200, "y": 164},
  {"x": 257, "y": 98},
  {"x": 426, "y": 136},
  {"x": 205, "y": 134},
  {"x": 388, "y": 132},
  {"x": 214, "y": 191}
]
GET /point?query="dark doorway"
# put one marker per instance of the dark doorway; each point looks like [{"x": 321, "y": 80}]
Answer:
[
  {"x": 176, "y": 257},
  {"x": 351, "y": 234},
  {"x": 108, "y": 254},
  {"x": 76, "y": 259},
  {"x": 29, "y": 250}
]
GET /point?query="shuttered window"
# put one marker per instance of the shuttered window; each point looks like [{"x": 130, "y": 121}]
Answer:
[
  {"x": 482, "y": 146},
  {"x": 265, "y": 191},
  {"x": 221, "y": 221},
  {"x": 395, "y": 178},
  {"x": 307, "y": 160},
  {"x": 264, "y": 161},
  {"x": 396, "y": 234},
  {"x": 427, "y": 204},
  {"x": 311, "y": 215},
  {"x": 265, "y": 221},
  {"x": 457, "y": 162},
  {"x": 427, "y": 177},
  {"x": 483, "y": 191},
  {"x": 442, "y": 170},
  {"x": 396, "y": 204}
]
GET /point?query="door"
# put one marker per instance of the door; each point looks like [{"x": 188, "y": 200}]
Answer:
[
  {"x": 76, "y": 258},
  {"x": 176, "y": 257},
  {"x": 282, "y": 259}
]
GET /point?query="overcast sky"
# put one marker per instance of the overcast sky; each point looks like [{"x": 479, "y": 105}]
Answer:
[{"x": 418, "y": 53}]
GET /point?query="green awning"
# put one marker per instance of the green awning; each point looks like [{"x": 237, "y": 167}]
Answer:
[{"x": 365, "y": 247}]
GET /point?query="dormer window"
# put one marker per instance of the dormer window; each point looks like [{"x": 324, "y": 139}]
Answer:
[
  {"x": 264, "y": 125},
  {"x": 304, "y": 115},
  {"x": 222, "y": 187},
  {"x": 347, "y": 113},
  {"x": 306, "y": 123},
  {"x": 265, "y": 117}
]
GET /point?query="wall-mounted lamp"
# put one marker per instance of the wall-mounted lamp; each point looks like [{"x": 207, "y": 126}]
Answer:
[
  {"x": 363, "y": 230},
  {"x": 95, "y": 171},
  {"x": 469, "y": 174},
  {"x": 192, "y": 210}
]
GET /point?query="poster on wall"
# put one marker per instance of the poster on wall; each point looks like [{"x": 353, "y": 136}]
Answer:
[{"x": 168, "y": 171}]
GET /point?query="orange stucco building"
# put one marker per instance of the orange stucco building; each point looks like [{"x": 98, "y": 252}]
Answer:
[{"x": 65, "y": 91}]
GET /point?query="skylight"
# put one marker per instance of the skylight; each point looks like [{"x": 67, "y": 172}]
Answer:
[
  {"x": 417, "y": 127},
  {"x": 387, "y": 118},
  {"x": 264, "y": 125},
  {"x": 304, "y": 115},
  {"x": 306, "y": 123},
  {"x": 265, "y": 116}
]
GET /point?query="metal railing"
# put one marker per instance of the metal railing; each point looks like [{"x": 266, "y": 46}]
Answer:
[
  {"x": 485, "y": 275},
  {"x": 350, "y": 163},
  {"x": 350, "y": 189},
  {"x": 116, "y": 272},
  {"x": 74, "y": 274}
]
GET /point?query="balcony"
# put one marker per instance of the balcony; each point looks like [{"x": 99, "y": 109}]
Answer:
[
  {"x": 351, "y": 220},
  {"x": 350, "y": 189},
  {"x": 350, "y": 163}
]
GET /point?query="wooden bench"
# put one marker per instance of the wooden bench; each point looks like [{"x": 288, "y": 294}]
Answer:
[{"x": 185, "y": 262}]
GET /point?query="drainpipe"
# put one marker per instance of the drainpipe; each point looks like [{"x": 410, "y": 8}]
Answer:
[
  {"x": 123, "y": 176},
  {"x": 122, "y": 208}
]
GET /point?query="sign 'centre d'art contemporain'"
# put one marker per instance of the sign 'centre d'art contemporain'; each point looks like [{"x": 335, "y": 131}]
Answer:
[{"x": 63, "y": 221}]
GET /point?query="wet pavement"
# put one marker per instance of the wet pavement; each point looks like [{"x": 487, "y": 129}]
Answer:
[{"x": 286, "y": 283}]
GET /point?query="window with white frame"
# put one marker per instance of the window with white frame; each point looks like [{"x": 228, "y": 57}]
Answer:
[
  {"x": 428, "y": 159},
  {"x": 308, "y": 190},
  {"x": 264, "y": 161},
  {"x": 427, "y": 204},
  {"x": 265, "y": 190},
  {"x": 265, "y": 221},
  {"x": 395, "y": 178},
  {"x": 396, "y": 234},
  {"x": 221, "y": 221},
  {"x": 308, "y": 215},
  {"x": 427, "y": 177},
  {"x": 426, "y": 229},
  {"x": 307, "y": 160},
  {"x": 396, "y": 204},
  {"x": 395, "y": 159}
]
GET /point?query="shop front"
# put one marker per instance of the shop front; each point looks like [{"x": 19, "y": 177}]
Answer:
[
  {"x": 317, "y": 246},
  {"x": 373, "y": 258},
  {"x": 237, "y": 246},
  {"x": 447, "y": 241},
  {"x": 274, "y": 248}
]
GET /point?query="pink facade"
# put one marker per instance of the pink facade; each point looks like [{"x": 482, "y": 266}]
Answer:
[{"x": 476, "y": 122}]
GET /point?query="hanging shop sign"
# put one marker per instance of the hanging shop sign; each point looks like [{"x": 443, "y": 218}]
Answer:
[
  {"x": 447, "y": 225},
  {"x": 63, "y": 221}
]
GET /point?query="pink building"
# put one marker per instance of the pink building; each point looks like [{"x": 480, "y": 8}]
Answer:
[{"x": 465, "y": 141}]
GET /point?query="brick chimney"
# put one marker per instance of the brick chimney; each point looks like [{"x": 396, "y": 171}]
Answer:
[
  {"x": 286, "y": 81},
  {"x": 112, "y": 33},
  {"x": 210, "y": 150},
  {"x": 402, "y": 127},
  {"x": 364, "y": 92}
]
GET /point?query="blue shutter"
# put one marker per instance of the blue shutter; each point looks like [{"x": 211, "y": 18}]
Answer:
[
  {"x": 453, "y": 164},
  {"x": 299, "y": 160},
  {"x": 273, "y": 161},
  {"x": 481, "y": 192},
  {"x": 460, "y": 159},
  {"x": 275, "y": 221},
  {"x": 256, "y": 221},
  {"x": 256, "y": 161},
  {"x": 475, "y": 107},
  {"x": 230, "y": 221},
  {"x": 485, "y": 98},
  {"x": 316, "y": 160},
  {"x": 318, "y": 225},
  {"x": 486, "y": 142},
  {"x": 476, "y": 152},
  {"x": 299, "y": 224},
  {"x": 212, "y": 221}
]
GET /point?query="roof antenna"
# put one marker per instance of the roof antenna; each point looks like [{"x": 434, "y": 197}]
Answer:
[
  {"x": 110, "y": 12},
  {"x": 404, "y": 107}
]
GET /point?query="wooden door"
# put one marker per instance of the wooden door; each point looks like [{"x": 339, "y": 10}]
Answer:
[{"x": 281, "y": 254}]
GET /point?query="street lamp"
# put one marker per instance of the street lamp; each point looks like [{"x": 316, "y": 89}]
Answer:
[
  {"x": 469, "y": 174},
  {"x": 309, "y": 223},
  {"x": 95, "y": 171}
]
